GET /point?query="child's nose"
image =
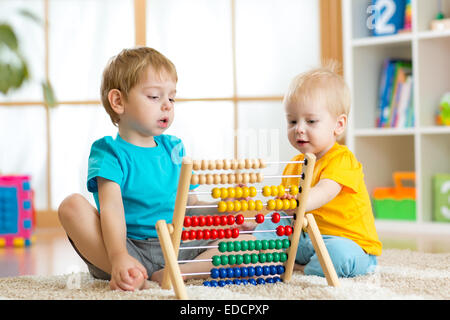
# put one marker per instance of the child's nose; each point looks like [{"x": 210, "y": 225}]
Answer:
[
  {"x": 167, "y": 105},
  {"x": 300, "y": 129}
]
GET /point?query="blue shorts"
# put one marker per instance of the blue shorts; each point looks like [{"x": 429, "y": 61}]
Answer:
[{"x": 348, "y": 258}]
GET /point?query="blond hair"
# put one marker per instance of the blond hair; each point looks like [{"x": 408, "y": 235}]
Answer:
[
  {"x": 124, "y": 70},
  {"x": 323, "y": 83}
]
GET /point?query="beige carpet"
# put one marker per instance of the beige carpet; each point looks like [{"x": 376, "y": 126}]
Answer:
[{"x": 401, "y": 274}]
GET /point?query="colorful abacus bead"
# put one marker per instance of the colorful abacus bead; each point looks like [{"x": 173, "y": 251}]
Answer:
[
  {"x": 259, "y": 218},
  {"x": 276, "y": 217}
]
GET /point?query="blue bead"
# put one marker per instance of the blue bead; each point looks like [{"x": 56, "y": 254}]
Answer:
[
  {"x": 222, "y": 283},
  {"x": 266, "y": 270},
  {"x": 270, "y": 280},
  {"x": 273, "y": 270},
  {"x": 206, "y": 284},
  {"x": 277, "y": 279},
  {"x": 244, "y": 272},
  {"x": 237, "y": 281},
  {"x": 230, "y": 273},
  {"x": 213, "y": 283},
  {"x": 228, "y": 281},
  {"x": 260, "y": 281},
  {"x": 244, "y": 281},
  {"x": 251, "y": 271},
  {"x": 280, "y": 269},
  {"x": 258, "y": 270},
  {"x": 223, "y": 272},
  {"x": 214, "y": 273},
  {"x": 237, "y": 272},
  {"x": 252, "y": 281}
]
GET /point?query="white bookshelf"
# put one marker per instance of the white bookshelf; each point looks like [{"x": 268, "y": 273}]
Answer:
[{"x": 425, "y": 148}]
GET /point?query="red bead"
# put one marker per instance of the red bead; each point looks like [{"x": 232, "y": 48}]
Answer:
[
  {"x": 187, "y": 222},
  {"x": 209, "y": 220},
  {"x": 228, "y": 233},
  {"x": 239, "y": 219},
  {"x": 230, "y": 219},
  {"x": 235, "y": 232},
  {"x": 275, "y": 217},
  {"x": 223, "y": 220},
  {"x": 220, "y": 233},
  {"x": 185, "y": 235},
  {"x": 201, "y": 221},
  {"x": 206, "y": 234},
  {"x": 214, "y": 234},
  {"x": 259, "y": 218},
  {"x": 194, "y": 221},
  {"x": 192, "y": 235},
  {"x": 199, "y": 234},
  {"x": 280, "y": 231},
  {"x": 288, "y": 230},
  {"x": 216, "y": 220}
]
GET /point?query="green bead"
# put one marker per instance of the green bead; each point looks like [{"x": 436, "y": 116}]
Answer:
[
  {"x": 286, "y": 243},
  {"x": 272, "y": 244},
  {"x": 255, "y": 258},
  {"x": 216, "y": 260},
  {"x": 222, "y": 246},
  {"x": 279, "y": 244},
  {"x": 244, "y": 245},
  {"x": 283, "y": 257},
  {"x": 251, "y": 245},
  {"x": 230, "y": 246},
  {"x": 231, "y": 259},
  {"x": 269, "y": 257},
  {"x": 237, "y": 246},
  {"x": 239, "y": 259},
  {"x": 247, "y": 258},
  {"x": 265, "y": 244},
  {"x": 224, "y": 260},
  {"x": 276, "y": 256},
  {"x": 258, "y": 245},
  {"x": 262, "y": 257}
]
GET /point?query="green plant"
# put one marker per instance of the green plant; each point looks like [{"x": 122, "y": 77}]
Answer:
[{"x": 14, "y": 71}]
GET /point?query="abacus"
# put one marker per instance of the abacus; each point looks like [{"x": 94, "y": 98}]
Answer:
[{"x": 231, "y": 214}]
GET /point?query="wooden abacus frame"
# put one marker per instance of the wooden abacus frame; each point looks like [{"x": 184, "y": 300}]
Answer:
[{"x": 170, "y": 234}]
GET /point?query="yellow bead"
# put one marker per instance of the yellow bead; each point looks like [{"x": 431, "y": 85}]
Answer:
[
  {"x": 267, "y": 191},
  {"x": 245, "y": 192},
  {"x": 293, "y": 203},
  {"x": 2, "y": 242},
  {"x": 223, "y": 193},
  {"x": 244, "y": 205},
  {"x": 222, "y": 206},
  {"x": 271, "y": 204},
  {"x": 279, "y": 204},
  {"x": 238, "y": 192},
  {"x": 251, "y": 205},
  {"x": 18, "y": 242},
  {"x": 274, "y": 191},
  {"x": 286, "y": 204},
  {"x": 258, "y": 205},
  {"x": 293, "y": 189},
  {"x": 231, "y": 192},
  {"x": 216, "y": 193},
  {"x": 252, "y": 191},
  {"x": 281, "y": 190},
  {"x": 237, "y": 205},
  {"x": 230, "y": 206}
]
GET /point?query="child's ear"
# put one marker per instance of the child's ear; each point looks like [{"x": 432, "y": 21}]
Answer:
[
  {"x": 341, "y": 124},
  {"x": 116, "y": 101}
]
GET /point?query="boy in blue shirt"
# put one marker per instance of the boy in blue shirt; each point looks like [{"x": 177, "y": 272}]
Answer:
[{"x": 133, "y": 177}]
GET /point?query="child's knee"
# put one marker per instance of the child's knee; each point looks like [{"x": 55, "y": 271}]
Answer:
[{"x": 70, "y": 207}]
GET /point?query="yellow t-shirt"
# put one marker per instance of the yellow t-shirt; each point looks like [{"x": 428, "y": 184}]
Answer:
[{"x": 349, "y": 214}]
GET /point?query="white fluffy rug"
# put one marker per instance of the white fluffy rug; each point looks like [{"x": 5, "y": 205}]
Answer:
[{"x": 401, "y": 274}]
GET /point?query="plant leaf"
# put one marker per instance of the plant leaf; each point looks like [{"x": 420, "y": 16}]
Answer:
[
  {"x": 49, "y": 94},
  {"x": 31, "y": 15},
  {"x": 8, "y": 37}
]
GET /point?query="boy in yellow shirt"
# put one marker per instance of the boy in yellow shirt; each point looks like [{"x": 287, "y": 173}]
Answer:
[{"x": 317, "y": 106}]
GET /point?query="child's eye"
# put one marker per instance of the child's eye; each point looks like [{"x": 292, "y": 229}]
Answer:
[
  {"x": 292, "y": 122},
  {"x": 311, "y": 121},
  {"x": 153, "y": 97},
  {"x": 172, "y": 100}
]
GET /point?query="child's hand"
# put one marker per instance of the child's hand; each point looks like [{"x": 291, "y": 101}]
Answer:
[{"x": 127, "y": 273}]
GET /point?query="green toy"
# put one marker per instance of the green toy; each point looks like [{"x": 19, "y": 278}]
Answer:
[
  {"x": 443, "y": 117},
  {"x": 441, "y": 194}
]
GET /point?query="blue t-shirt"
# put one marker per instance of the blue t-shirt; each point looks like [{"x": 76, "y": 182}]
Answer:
[{"x": 148, "y": 179}]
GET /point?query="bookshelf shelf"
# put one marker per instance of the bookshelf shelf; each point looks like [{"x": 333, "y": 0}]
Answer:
[{"x": 424, "y": 147}]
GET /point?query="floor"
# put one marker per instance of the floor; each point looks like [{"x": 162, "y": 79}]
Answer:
[{"x": 52, "y": 254}]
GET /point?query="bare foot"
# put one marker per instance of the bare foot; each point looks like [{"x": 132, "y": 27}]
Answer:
[
  {"x": 138, "y": 281},
  {"x": 299, "y": 267},
  {"x": 157, "y": 276}
]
